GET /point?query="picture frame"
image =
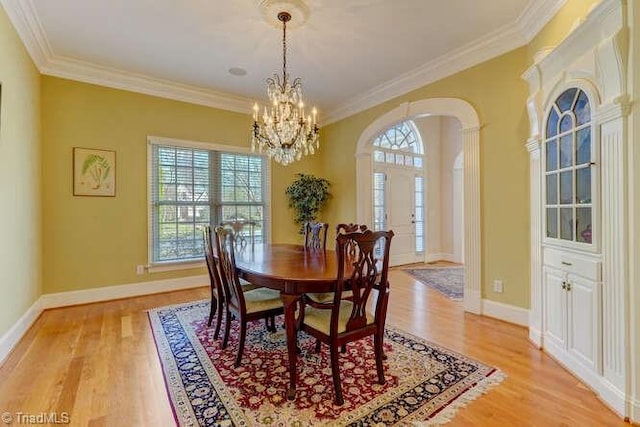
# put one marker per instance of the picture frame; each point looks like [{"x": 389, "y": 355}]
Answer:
[{"x": 94, "y": 172}]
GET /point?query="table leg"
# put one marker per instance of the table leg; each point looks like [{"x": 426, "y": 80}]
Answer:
[{"x": 290, "y": 302}]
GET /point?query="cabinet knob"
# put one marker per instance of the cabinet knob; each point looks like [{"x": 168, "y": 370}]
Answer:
[{"x": 564, "y": 285}]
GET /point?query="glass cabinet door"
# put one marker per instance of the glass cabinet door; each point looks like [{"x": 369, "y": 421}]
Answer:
[{"x": 568, "y": 151}]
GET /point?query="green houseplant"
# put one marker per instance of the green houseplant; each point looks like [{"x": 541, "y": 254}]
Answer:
[{"x": 307, "y": 195}]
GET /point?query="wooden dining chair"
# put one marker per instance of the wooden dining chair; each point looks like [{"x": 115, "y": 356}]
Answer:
[
  {"x": 246, "y": 306},
  {"x": 350, "y": 228},
  {"x": 342, "y": 321},
  {"x": 315, "y": 235},
  {"x": 217, "y": 294},
  {"x": 324, "y": 297}
]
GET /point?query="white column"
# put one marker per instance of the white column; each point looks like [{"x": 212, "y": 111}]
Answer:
[
  {"x": 472, "y": 223},
  {"x": 615, "y": 304},
  {"x": 535, "y": 200}
]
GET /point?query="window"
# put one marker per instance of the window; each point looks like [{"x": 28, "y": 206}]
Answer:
[
  {"x": 193, "y": 186},
  {"x": 399, "y": 145},
  {"x": 568, "y": 161},
  {"x": 379, "y": 205},
  {"x": 418, "y": 216}
]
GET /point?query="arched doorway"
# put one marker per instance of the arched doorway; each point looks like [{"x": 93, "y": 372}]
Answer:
[{"x": 468, "y": 117}]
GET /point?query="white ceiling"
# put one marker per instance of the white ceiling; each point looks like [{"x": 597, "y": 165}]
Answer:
[{"x": 350, "y": 54}]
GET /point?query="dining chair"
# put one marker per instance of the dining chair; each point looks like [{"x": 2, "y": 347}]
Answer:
[
  {"x": 315, "y": 235},
  {"x": 244, "y": 231},
  {"x": 350, "y": 228},
  {"x": 342, "y": 321},
  {"x": 324, "y": 297},
  {"x": 217, "y": 294},
  {"x": 246, "y": 306}
]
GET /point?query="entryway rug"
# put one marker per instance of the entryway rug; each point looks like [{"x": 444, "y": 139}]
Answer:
[
  {"x": 449, "y": 281},
  {"x": 424, "y": 381}
]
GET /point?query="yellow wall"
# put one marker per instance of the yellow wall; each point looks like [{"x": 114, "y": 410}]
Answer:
[
  {"x": 496, "y": 91},
  {"x": 20, "y": 259},
  {"x": 90, "y": 242}
]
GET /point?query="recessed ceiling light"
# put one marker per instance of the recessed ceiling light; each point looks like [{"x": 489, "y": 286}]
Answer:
[{"x": 237, "y": 71}]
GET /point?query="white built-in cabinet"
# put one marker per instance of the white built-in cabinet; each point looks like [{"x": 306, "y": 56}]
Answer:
[
  {"x": 572, "y": 315},
  {"x": 578, "y": 109}
]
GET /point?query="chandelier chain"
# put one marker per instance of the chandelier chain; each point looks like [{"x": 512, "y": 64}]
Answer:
[{"x": 284, "y": 49}]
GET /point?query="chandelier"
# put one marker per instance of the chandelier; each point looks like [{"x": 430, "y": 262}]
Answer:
[{"x": 283, "y": 131}]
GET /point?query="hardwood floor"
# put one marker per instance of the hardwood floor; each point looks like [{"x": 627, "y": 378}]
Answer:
[{"x": 99, "y": 364}]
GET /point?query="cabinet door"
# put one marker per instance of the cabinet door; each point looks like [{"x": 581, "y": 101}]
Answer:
[
  {"x": 555, "y": 311},
  {"x": 583, "y": 337}
]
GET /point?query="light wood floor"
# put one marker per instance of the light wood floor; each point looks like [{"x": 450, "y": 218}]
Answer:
[{"x": 98, "y": 362}]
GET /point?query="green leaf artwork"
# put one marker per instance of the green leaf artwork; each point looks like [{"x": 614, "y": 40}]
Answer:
[
  {"x": 94, "y": 172},
  {"x": 96, "y": 169}
]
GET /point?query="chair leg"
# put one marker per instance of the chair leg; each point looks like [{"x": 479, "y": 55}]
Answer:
[
  {"x": 227, "y": 328},
  {"x": 379, "y": 355},
  {"x": 218, "y": 320},
  {"x": 212, "y": 311},
  {"x": 343, "y": 349},
  {"x": 243, "y": 334},
  {"x": 318, "y": 345},
  {"x": 335, "y": 371}
]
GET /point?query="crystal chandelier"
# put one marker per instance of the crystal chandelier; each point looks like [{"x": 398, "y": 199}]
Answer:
[{"x": 283, "y": 131}]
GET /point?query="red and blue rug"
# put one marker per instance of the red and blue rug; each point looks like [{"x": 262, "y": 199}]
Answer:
[{"x": 424, "y": 381}]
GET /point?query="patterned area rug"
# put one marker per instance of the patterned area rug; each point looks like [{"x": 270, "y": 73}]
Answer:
[
  {"x": 449, "y": 281},
  {"x": 423, "y": 381}
]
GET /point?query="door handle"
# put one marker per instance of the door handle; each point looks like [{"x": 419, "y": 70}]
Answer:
[{"x": 564, "y": 285}]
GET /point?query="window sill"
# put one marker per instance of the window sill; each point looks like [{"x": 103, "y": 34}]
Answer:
[{"x": 174, "y": 266}]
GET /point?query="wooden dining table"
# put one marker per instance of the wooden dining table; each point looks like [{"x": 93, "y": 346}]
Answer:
[{"x": 293, "y": 270}]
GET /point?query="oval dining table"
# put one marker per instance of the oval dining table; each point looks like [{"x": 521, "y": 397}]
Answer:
[{"x": 293, "y": 270}]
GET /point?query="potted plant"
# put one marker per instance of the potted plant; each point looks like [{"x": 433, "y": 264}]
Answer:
[{"x": 307, "y": 195}]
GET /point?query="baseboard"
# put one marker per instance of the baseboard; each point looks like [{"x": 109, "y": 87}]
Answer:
[
  {"x": 106, "y": 293},
  {"x": 535, "y": 336},
  {"x": 62, "y": 299},
  {"x": 9, "y": 340},
  {"x": 613, "y": 397},
  {"x": 506, "y": 312},
  {"x": 472, "y": 301}
]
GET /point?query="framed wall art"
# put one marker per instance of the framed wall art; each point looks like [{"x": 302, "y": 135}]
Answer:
[{"x": 94, "y": 172}]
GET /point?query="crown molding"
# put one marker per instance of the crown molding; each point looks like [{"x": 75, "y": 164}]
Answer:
[
  {"x": 24, "y": 18},
  {"x": 509, "y": 37},
  {"x": 22, "y": 15},
  {"x": 496, "y": 43},
  {"x": 536, "y": 15},
  {"x": 74, "y": 69}
]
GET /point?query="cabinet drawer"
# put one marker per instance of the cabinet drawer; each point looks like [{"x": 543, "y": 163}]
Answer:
[{"x": 581, "y": 265}]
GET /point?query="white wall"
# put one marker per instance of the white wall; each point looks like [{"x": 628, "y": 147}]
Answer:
[{"x": 451, "y": 146}]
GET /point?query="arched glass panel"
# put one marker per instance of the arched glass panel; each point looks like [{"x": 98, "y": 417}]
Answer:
[
  {"x": 401, "y": 137},
  {"x": 568, "y": 177}
]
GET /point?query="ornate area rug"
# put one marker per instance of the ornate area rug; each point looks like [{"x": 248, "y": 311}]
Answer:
[
  {"x": 449, "y": 281},
  {"x": 425, "y": 385}
]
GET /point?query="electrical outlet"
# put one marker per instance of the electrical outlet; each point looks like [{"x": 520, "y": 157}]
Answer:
[
  {"x": 497, "y": 286},
  {"x": 140, "y": 269}
]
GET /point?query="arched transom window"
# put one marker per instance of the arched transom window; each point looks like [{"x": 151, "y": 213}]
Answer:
[
  {"x": 400, "y": 145},
  {"x": 568, "y": 161}
]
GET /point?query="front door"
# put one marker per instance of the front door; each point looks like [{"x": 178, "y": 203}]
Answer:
[{"x": 400, "y": 214}]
